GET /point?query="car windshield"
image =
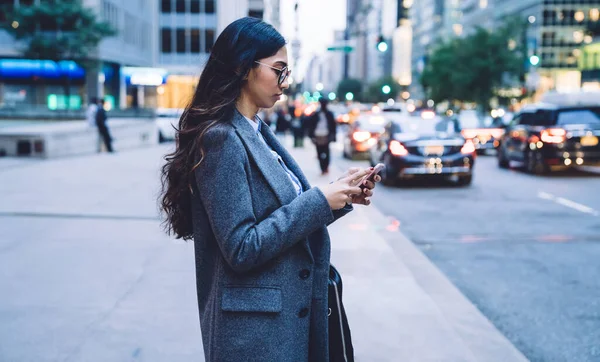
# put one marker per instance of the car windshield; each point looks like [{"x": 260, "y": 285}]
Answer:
[
  {"x": 421, "y": 127},
  {"x": 579, "y": 116},
  {"x": 371, "y": 124}
]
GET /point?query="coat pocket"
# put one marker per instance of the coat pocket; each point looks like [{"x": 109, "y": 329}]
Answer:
[{"x": 251, "y": 299}]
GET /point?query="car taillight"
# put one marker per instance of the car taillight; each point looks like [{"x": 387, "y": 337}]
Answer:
[
  {"x": 468, "y": 147},
  {"x": 553, "y": 135},
  {"x": 497, "y": 133},
  {"x": 397, "y": 149},
  {"x": 361, "y": 136},
  {"x": 428, "y": 115},
  {"x": 469, "y": 133}
]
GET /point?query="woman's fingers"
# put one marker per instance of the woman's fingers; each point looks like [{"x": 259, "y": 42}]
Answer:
[{"x": 356, "y": 177}]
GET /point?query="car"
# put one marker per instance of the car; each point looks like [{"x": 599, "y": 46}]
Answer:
[
  {"x": 167, "y": 120},
  {"x": 485, "y": 135},
  {"x": 422, "y": 149},
  {"x": 362, "y": 134},
  {"x": 553, "y": 136}
]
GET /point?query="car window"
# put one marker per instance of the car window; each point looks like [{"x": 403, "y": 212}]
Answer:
[
  {"x": 579, "y": 116},
  {"x": 527, "y": 119},
  {"x": 395, "y": 128}
]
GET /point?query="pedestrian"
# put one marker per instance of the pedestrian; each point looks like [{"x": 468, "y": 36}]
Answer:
[
  {"x": 297, "y": 125},
  {"x": 103, "y": 130},
  {"x": 322, "y": 131},
  {"x": 259, "y": 229},
  {"x": 90, "y": 113}
]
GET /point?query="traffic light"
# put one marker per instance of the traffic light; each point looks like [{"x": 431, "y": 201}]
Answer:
[
  {"x": 534, "y": 60},
  {"x": 382, "y": 45}
]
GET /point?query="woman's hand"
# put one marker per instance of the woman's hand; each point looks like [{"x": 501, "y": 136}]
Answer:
[
  {"x": 345, "y": 189},
  {"x": 367, "y": 190}
]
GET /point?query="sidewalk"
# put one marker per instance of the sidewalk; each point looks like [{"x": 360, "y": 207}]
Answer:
[
  {"x": 400, "y": 306},
  {"x": 88, "y": 275}
]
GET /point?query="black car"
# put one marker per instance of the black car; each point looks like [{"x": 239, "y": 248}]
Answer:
[
  {"x": 419, "y": 149},
  {"x": 544, "y": 137}
]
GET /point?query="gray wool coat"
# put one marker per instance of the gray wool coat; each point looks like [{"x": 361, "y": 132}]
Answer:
[{"x": 262, "y": 252}]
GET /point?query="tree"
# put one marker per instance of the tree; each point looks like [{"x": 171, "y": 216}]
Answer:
[
  {"x": 375, "y": 92},
  {"x": 473, "y": 68},
  {"x": 58, "y": 30},
  {"x": 350, "y": 85}
]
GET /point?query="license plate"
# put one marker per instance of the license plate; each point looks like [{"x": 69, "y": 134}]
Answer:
[
  {"x": 434, "y": 150},
  {"x": 589, "y": 141}
]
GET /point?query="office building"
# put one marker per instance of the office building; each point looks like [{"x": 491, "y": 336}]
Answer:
[
  {"x": 154, "y": 60},
  {"x": 557, "y": 30},
  {"x": 39, "y": 82}
]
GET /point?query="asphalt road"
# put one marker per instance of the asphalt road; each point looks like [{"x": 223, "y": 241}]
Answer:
[{"x": 524, "y": 249}]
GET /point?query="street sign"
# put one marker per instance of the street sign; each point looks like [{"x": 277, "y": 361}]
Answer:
[{"x": 342, "y": 48}]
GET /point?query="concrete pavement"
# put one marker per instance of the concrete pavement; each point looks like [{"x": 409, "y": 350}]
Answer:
[{"x": 87, "y": 274}]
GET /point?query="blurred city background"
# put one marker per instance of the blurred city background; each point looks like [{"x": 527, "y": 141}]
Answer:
[{"x": 482, "y": 242}]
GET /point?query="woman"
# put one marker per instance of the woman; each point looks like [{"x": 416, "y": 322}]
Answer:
[{"x": 259, "y": 229}]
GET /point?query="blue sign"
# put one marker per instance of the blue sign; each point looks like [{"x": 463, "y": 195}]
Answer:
[{"x": 46, "y": 69}]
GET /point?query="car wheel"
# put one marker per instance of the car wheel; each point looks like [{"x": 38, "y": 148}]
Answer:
[
  {"x": 464, "y": 180},
  {"x": 502, "y": 161},
  {"x": 535, "y": 163}
]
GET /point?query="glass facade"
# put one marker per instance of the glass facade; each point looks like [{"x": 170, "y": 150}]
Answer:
[{"x": 566, "y": 27}]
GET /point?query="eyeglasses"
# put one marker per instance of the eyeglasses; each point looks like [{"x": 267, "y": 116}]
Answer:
[{"x": 283, "y": 73}]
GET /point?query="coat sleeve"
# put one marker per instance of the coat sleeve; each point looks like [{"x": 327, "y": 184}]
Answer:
[{"x": 225, "y": 192}]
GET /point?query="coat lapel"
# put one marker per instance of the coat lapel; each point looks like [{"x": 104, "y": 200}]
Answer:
[
  {"x": 272, "y": 140},
  {"x": 274, "y": 174},
  {"x": 276, "y": 177}
]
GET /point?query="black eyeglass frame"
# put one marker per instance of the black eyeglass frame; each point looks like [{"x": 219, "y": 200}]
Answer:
[{"x": 283, "y": 73}]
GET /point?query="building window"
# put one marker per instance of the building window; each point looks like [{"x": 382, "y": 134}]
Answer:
[
  {"x": 6, "y": 6},
  {"x": 181, "y": 48},
  {"x": 180, "y": 6},
  {"x": 166, "y": 6},
  {"x": 209, "y": 6},
  {"x": 195, "y": 39},
  {"x": 166, "y": 40},
  {"x": 209, "y": 39},
  {"x": 195, "y": 6}
]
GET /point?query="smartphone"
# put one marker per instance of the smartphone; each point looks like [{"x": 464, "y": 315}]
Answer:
[{"x": 377, "y": 169}]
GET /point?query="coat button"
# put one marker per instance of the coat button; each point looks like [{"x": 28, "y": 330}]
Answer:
[
  {"x": 303, "y": 312},
  {"x": 304, "y": 273}
]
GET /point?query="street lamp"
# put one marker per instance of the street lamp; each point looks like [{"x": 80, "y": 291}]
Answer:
[
  {"x": 331, "y": 96},
  {"x": 386, "y": 89},
  {"x": 319, "y": 86},
  {"x": 349, "y": 96}
]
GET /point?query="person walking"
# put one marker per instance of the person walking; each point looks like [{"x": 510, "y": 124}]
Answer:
[
  {"x": 103, "y": 130},
  {"x": 262, "y": 249},
  {"x": 322, "y": 131},
  {"x": 90, "y": 113}
]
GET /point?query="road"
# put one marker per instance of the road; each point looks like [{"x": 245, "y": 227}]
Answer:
[{"x": 524, "y": 249}]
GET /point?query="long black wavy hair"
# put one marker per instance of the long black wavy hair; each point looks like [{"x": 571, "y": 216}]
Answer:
[{"x": 232, "y": 57}]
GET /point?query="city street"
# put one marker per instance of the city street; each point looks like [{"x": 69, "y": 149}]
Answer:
[{"x": 523, "y": 249}]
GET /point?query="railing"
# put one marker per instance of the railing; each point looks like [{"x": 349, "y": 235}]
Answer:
[{"x": 41, "y": 112}]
